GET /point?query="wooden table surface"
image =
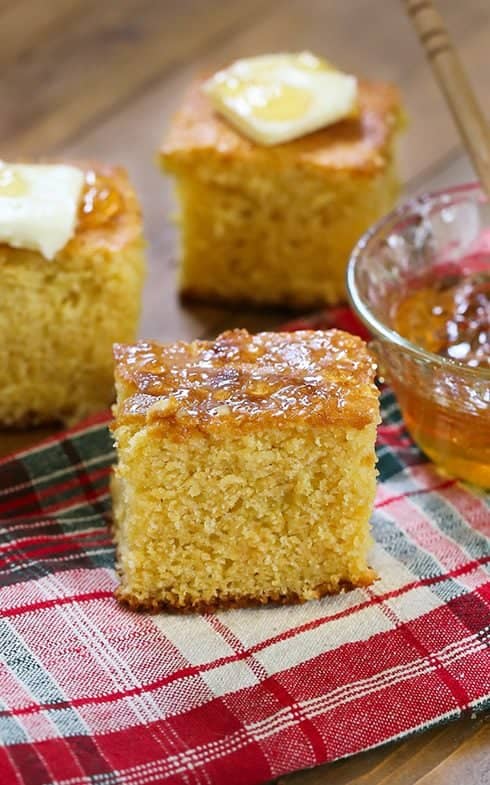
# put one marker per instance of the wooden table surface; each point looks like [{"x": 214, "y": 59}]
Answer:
[{"x": 100, "y": 79}]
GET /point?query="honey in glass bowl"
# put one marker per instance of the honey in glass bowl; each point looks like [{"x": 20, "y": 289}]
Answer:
[
  {"x": 450, "y": 317},
  {"x": 420, "y": 281}
]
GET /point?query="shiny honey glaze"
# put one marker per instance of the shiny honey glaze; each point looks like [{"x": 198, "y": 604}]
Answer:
[
  {"x": 241, "y": 378},
  {"x": 451, "y": 318},
  {"x": 100, "y": 203}
]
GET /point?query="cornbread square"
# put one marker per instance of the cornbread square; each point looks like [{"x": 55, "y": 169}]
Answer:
[
  {"x": 246, "y": 469},
  {"x": 60, "y": 318},
  {"x": 275, "y": 225}
]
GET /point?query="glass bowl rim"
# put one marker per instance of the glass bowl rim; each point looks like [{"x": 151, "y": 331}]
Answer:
[{"x": 363, "y": 311}]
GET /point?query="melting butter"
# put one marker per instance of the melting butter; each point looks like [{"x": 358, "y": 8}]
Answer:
[
  {"x": 270, "y": 102},
  {"x": 277, "y": 98},
  {"x": 12, "y": 183},
  {"x": 39, "y": 205}
]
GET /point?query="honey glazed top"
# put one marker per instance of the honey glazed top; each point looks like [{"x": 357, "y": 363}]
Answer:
[
  {"x": 109, "y": 215},
  {"x": 311, "y": 376}
]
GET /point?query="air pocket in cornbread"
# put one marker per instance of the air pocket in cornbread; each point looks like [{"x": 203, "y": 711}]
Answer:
[
  {"x": 60, "y": 314},
  {"x": 246, "y": 469}
]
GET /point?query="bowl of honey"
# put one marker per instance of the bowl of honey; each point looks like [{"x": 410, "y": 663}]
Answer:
[{"x": 420, "y": 281}]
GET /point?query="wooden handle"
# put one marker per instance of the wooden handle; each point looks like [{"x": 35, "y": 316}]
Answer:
[{"x": 454, "y": 83}]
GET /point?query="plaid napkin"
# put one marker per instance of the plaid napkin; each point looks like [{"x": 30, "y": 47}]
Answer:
[{"x": 93, "y": 693}]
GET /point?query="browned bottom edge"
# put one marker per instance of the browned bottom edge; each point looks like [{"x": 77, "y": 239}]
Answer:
[
  {"x": 30, "y": 422},
  {"x": 247, "y": 601},
  {"x": 189, "y": 296}
]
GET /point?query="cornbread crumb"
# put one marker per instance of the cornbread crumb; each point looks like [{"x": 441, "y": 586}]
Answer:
[
  {"x": 59, "y": 318},
  {"x": 246, "y": 469},
  {"x": 276, "y": 225}
]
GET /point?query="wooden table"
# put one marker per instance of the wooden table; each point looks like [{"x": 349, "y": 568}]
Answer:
[{"x": 100, "y": 79}]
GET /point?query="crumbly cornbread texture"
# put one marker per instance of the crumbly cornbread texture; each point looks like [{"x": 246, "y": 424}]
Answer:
[
  {"x": 246, "y": 469},
  {"x": 276, "y": 225},
  {"x": 60, "y": 318}
]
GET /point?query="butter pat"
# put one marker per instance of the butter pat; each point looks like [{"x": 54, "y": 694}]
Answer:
[
  {"x": 277, "y": 98},
  {"x": 39, "y": 205}
]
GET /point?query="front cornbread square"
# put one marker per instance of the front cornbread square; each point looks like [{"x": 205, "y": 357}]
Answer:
[
  {"x": 246, "y": 469},
  {"x": 59, "y": 317},
  {"x": 275, "y": 225}
]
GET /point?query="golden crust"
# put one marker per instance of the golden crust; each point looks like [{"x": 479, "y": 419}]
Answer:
[
  {"x": 358, "y": 144},
  {"x": 310, "y": 376},
  {"x": 105, "y": 234}
]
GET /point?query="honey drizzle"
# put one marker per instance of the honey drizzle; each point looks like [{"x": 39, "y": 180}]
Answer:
[
  {"x": 101, "y": 202},
  {"x": 322, "y": 376}
]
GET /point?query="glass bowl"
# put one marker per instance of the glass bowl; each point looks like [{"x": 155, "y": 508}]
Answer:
[{"x": 445, "y": 403}]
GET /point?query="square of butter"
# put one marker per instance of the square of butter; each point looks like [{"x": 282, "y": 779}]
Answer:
[
  {"x": 277, "y": 98},
  {"x": 39, "y": 205}
]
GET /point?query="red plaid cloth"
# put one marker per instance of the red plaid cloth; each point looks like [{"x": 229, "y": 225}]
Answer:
[{"x": 93, "y": 693}]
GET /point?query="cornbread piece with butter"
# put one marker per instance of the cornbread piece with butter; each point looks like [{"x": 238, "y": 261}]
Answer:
[
  {"x": 246, "y": 469},
  {"x": 71, "y": 272},
  {"x": 274, "y": 225}
]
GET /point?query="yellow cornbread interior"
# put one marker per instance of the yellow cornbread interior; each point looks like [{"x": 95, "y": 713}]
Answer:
[
  {"x": 58, "y": 321},
  {"x": 238, "y": 517},
  {"x": 251, "y": 233}
]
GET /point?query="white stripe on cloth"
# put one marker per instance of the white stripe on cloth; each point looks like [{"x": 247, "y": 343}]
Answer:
[
  {"x": 193, "y": 637},
  {"x": 33, "y": 563},
  {"x": 74, "y": 582},
  {"x": 292, "y": 651},
  {"x": 55, "y": 521},
  {"x": 7, "y": 546}
]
